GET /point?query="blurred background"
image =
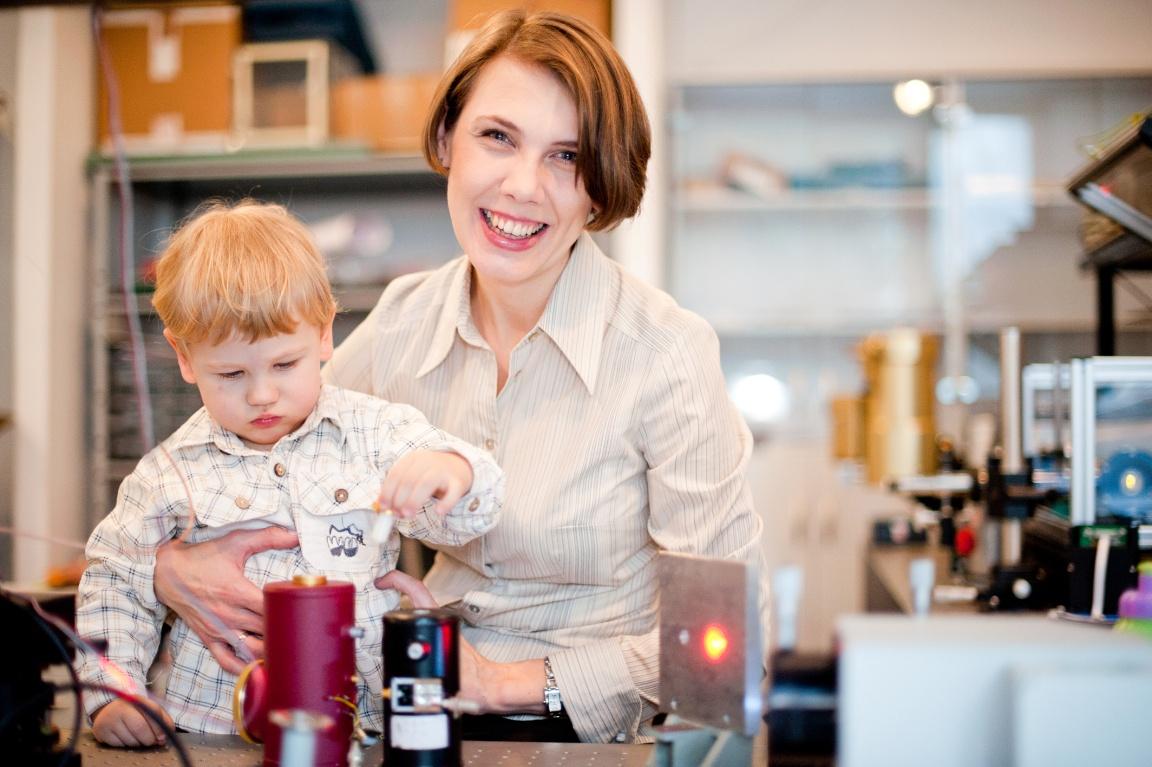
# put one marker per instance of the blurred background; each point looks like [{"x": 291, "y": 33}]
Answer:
[{"x": 840, "y": 188}]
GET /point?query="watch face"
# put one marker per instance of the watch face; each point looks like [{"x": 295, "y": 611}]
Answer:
[{"x": 552, "y": 700}]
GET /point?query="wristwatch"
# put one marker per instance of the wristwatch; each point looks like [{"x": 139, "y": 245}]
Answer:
[{"x": 552, "y": 700}]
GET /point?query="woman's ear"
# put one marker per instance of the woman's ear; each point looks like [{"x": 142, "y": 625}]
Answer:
[{"x": 443, "y": 141}]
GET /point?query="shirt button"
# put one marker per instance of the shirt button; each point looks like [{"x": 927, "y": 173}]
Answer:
[
  {"x": 489, "y": 444},
  {"x": 474, "y": 504},
  {"x": 621, "y": 737},
  {"x": 533, "y": 334},
  {"x": 474, "y": 608},
  {"x": 280, "y": 470},
  {"x": 243, "y": 503},
  {"x": 341, "y": 495}
]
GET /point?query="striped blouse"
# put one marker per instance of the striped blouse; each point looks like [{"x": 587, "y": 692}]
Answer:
[{"x": 617, "y": 439}]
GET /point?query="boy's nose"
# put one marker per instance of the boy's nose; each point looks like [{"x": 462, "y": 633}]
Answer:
[{"x": 261, "y": 392}]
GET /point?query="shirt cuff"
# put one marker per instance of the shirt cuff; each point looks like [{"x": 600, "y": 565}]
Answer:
[{"x": 598, "y": 692}]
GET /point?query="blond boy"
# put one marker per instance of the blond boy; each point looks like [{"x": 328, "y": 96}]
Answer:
[{"x": 247, "y": 307}]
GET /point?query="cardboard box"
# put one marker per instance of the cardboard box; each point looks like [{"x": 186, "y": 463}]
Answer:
[
  {"x": 173, "y": 69},
  {"x": 385, "y": 112},
  {"x": 282, "y": 92}
]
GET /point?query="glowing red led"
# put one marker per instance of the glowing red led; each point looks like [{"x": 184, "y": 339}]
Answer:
[{"x": 715, "y": 643}]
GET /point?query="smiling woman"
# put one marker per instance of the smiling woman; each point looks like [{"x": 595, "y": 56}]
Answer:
[
  {"x": 516, "y": 200},
  {"x": 602, "y": 399}
]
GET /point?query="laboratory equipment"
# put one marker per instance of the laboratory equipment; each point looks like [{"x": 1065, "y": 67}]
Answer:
[
  {"x": 711, "y": 661},
  {"x": 421, "y": 679},
  {"x": 309, "y": 666},
  {"x": 29, "y": 645},
  {"x": 1011, "y": 497}
]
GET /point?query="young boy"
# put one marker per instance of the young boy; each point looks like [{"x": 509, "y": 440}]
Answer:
[{"x": 246, "y": 305}]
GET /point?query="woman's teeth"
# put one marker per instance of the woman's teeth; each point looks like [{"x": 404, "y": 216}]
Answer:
[{"x": 511, "y": 228}]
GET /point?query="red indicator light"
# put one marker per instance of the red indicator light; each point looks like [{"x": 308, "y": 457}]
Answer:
[{"x": 715, "y": 643}]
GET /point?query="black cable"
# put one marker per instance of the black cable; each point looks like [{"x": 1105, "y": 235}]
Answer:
[
  {"x": 33, "y": 608},
  {"x": 76, "y": 705},
  {"x": 147, "y": 711},
  {"x": 77, "y": 686}
]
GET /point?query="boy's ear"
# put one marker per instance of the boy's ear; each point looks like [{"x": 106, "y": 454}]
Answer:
[
  {"x": 186, "y": 371},
  {"x": 326, "y": 342}
]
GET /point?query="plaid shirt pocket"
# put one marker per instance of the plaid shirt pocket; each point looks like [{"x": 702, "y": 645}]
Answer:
[{"x": 333, "y": 520}]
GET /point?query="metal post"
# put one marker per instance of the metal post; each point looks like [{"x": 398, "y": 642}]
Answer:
[{"x": 1105, "y": 311}]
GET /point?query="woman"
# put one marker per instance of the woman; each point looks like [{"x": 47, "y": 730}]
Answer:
[{"x": 603, "y": 401}]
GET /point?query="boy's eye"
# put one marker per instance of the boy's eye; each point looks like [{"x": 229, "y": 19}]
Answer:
[
  {"x": 232, "y": 374},
  {"x": 286, "y": 365}
]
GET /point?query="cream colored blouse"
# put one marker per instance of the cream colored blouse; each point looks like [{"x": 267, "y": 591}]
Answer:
[{"x": 617, "y": 439}]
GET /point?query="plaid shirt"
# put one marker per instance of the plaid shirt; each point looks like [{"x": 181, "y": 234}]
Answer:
[{"x": 319, "y": 481}]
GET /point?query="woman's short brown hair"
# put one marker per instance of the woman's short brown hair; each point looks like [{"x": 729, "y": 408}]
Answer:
[
  {"x": 250, "y": 270},
  {"x": 615, "y": 140}
]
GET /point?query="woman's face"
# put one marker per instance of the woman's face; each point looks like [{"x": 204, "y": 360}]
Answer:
[{"x": 516, "y": 203}]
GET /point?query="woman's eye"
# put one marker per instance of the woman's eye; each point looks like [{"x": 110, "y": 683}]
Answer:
[
  {"x": 496, "y": 135},
  {"x": 566, "y": 156}
]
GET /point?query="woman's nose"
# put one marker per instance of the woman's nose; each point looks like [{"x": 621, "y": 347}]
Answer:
[{"x": 522, "y": 181}]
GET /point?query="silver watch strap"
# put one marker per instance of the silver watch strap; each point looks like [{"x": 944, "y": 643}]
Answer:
[{"x": 552, "y": 702}]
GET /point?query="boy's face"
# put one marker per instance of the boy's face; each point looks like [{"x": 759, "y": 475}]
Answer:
[{"x": 260, "y": 390}]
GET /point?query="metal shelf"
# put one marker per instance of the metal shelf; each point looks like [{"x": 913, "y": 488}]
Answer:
[
  {"x": 352, "y": 298},
  {"x": 164, "y": 189},
  {"x": 1114, "y": 185},
  {"x": 267, "y": 164},
  {"x": 716, "y": 198}
]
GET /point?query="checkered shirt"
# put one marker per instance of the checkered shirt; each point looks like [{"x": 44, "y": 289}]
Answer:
[{"x": 320, "y": 481}]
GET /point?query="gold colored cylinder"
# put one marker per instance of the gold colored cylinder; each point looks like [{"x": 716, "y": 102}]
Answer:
[{"x": 899, "y": 424}]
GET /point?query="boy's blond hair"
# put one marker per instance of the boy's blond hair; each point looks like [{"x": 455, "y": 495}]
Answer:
[{"x": 249, "y": 270}]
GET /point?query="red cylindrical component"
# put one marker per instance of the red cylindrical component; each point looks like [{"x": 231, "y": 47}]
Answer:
[{"x": 310, "y": 659}]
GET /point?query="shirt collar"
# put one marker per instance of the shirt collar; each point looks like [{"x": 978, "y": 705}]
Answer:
[
  {"x": 454, "y": 314},
  {"x": 204, "y": 430},
  {"x": 574, "y": 318},
  {"x": 577, "y": 313}
]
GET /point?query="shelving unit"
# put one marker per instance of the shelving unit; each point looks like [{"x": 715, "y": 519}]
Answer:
[
  {"x": 847, "y": 237},
  {"x": 1115, "y": 186},
  {"x": 396, "y": 198}
]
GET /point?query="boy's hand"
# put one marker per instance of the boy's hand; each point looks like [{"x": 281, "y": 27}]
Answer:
[
  {"x": 120, "y": 724},
  {"x": 424, "y": 475}
]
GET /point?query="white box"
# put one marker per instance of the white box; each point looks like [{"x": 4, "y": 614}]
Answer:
[{"x": 952, "y": 691}]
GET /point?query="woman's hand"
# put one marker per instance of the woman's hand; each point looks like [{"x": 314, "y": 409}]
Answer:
[
  {"x": 497, "y": 688},
  {"x": 121, "y": 724},
  {"x": 205, "y": 584}
]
